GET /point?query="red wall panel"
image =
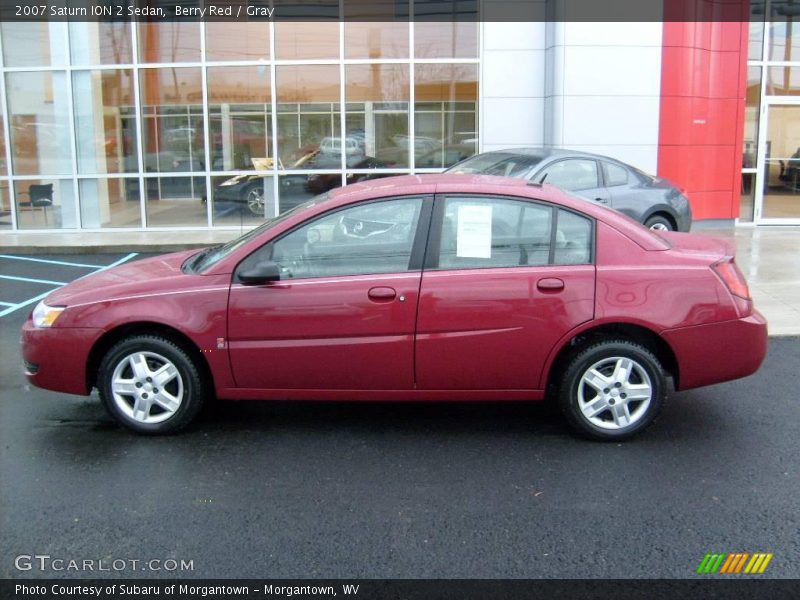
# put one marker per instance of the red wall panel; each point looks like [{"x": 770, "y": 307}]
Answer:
[{"x": 703, "y": 83}]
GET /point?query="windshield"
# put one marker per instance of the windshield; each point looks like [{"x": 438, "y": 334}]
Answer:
[
  {"x": 497, "y": 163},
  {"x": 212, "y": 256}
]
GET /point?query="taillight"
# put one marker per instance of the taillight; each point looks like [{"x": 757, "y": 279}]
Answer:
[{"x": 732, "y": 277}]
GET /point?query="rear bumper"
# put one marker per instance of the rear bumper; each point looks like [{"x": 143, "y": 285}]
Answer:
[
  {"x": 718, "y": 352},
  {"x": 55, "y": 358}
]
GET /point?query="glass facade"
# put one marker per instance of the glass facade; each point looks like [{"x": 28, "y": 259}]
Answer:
[
  {"x": 770, "y": 185},
  {"x": 222, "y": 124}
]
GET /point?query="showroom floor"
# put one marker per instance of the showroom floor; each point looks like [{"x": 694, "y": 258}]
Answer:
[{"x": 768, "y": 257}]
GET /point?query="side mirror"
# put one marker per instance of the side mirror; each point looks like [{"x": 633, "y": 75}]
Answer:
[{"x": 263, "y": 272}]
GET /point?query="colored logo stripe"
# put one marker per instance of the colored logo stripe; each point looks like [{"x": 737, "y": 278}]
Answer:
[{"x": 734, "y": 562}]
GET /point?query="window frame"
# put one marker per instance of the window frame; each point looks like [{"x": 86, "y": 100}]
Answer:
[
  {"x": 433, "y": 251},
  {"x": 418, "y": 245}
]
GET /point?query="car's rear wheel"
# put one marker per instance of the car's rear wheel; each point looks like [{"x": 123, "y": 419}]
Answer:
[
  {"x": 150, "y": 385},
  {"x": 659, "y": 223},
  {"x": 255, "y": 200},
  {"x": 612, "y": 390}
]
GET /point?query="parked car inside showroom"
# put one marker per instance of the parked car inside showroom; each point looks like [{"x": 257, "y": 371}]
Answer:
[
  {"x": 433, "y": 287},
  {"x": 653, "y": 201}
]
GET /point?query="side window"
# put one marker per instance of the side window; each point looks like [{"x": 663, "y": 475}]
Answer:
[
  {"x": 573, "y": 239},
  {"x": 361, "y": 240},
  {"x": 486, "y": 232},
  {"x": 615, "y": 174},
  {"x": 572, "y": 175}
]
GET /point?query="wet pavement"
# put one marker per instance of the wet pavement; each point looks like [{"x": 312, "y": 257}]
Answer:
[{"x": 267, "y": 489}]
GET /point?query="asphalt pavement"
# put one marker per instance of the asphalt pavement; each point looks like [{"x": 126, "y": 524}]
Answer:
[{"x": 393, "y": 490}]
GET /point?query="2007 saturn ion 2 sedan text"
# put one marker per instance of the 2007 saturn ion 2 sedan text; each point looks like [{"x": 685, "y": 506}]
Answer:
[{"x": 436, "y": 287}]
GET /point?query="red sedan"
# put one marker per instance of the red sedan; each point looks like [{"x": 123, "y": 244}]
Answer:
[{"x": 439, "y": 287}]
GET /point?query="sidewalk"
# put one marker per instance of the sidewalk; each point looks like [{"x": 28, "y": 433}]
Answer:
[{"x": 768, "y": 256}]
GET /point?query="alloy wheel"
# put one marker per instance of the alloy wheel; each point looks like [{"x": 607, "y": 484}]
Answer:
[
  {"x": 147, "y": 387},
  {"x": 614, "y": 393},
  {"x": 255, "y": 202}
]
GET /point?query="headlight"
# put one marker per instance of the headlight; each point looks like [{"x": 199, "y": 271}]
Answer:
[{"x": 45, "y": 316}]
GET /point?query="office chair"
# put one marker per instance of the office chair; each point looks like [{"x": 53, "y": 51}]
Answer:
[{"x": 40, "y": 196}]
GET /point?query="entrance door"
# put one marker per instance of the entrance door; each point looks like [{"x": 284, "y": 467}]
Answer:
[{"x": 778, "y": 196}]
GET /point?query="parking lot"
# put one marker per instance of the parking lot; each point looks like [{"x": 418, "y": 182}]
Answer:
[{"x": 411, "y": 490}]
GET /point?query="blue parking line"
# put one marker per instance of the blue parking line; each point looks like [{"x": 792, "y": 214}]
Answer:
[
  {"x": 29, "y": 280},
  {"x": 120, "y": 261},
  {"x": 14, "y": 307},
  {"x": 25, "y": 303},
  {"x": 51, "y": 262}
]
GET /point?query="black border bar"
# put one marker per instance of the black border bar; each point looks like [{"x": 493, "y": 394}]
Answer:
[
  {"x": 394, "y": 10},
  {"x": 743, "y": 587}
]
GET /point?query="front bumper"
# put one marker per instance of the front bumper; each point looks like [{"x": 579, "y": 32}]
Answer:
[
  {"x": 717, "y": 352},
  {"x": 55, "y": 358}
]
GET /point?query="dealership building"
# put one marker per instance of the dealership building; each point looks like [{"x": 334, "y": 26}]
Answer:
[{"x": 188, "y": 125}]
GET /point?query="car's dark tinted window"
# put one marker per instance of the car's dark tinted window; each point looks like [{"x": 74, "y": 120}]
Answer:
[
  {"x": 495, "y": 232},
  {"x": 615, "y": 174},
  {"x": 360, "y": 240},
  {"x": 573, "y": 174}
]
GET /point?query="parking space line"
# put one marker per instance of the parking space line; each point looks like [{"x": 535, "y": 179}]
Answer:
[
  {"x": 51, "y": 262},
  {"x": 14, "y": 307},
  {"x": 24, "y": 303},
  {"x": 29, "y": 280},
  {"x": 116, "y": 263}
]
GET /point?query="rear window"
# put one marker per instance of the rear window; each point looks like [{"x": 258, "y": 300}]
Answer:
[{"x": 505, "y": 164}]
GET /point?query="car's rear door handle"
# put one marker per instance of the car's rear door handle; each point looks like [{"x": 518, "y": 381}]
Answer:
[
  {"x": 550, "y": 284},
  {"x": 382, "y": 294}
]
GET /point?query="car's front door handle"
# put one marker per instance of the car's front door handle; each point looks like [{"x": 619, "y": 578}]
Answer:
[
  {"x": 602, "y": 200},
  {"x": 382, "y": 294},
  {"x": 550, "y": 284}
]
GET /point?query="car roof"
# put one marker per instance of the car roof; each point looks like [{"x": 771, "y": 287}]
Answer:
[{"x": 542, "y": 152}]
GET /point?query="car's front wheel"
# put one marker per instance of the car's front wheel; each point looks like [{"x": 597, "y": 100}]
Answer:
[
  {"x": 150, "y": 385},
  {"x": 612, "y": 390}
]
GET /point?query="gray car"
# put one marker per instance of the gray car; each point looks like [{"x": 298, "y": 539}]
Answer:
[{"x": 650, "y": 200}]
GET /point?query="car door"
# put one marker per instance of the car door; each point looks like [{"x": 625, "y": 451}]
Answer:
[
  {"x": 504, "y": 280},
  {"x": 342, "y": 314},
  {"x": 627, "y": 194},
  {"x": 580, "y": 176}
]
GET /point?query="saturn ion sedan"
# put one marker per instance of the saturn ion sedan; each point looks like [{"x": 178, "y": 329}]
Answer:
[{"x": 436, "y": 287}]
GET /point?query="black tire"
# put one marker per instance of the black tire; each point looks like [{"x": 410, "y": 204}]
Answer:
[
  {"x": 659, "y": 222},
  {"x": 186, "y": 385},
  {"x": 608, "y": 424}
]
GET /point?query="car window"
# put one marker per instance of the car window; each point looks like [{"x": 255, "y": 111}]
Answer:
[
  {"x": 573, "y": 243},
  {"x": 615, "y": 174},
  {"x": 493, "y": 232},
  {"x": 497, "y": 163},
  {"x": 571, "y": 175},
  {"x": 360, "y": 240}
]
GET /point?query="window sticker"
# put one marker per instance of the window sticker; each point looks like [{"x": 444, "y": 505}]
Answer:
[{"x": 474, "y": 238}]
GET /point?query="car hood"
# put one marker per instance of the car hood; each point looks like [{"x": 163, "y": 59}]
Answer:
[{"x": 149, "y": 275}]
